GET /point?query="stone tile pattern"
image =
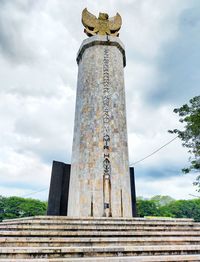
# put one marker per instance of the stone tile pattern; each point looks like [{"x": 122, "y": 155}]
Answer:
[{"x": 100, "y": 181}]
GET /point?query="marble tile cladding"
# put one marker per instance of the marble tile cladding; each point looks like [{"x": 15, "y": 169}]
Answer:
[{"x": 100, "y": 182}]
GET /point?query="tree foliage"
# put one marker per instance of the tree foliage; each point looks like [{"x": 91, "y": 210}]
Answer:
[
  {"x": 161, "y": 206},
  {"x": 147, "y": 208},
  {"x": 190, "y": 135},
  {"x": 185, "y": 209},
  {"x": 162, "y": 200},
  {"x": 15, "y": 207},
  {"x": 171, "y": 208}
]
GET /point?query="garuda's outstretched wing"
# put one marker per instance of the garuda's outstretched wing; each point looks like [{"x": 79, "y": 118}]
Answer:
[
  {"x": 115, "y": 23},
  {"x": 90, "y": 22}
]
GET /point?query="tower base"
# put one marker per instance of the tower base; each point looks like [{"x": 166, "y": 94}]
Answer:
[{"x": 59, "y": 189}]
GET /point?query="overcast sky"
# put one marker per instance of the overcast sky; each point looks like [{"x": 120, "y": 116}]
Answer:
[{"x": 39, "y": 40}]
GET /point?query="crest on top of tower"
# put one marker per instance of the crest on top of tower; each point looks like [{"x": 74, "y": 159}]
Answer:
[{"x": 103, "y": 25}]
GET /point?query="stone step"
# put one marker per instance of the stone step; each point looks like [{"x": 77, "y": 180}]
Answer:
[
  {"x": 102, "y": 219},
  {"x": 51, "y": 238},
  {"x": 84, "y": 233},
  {"x": 164, "y": 258},
  {"x": 62, "y": 252},
  {"x": 114, "y": 241},
  {"x": 99, "y": 222},
  {"x": 98, "y": 227}
]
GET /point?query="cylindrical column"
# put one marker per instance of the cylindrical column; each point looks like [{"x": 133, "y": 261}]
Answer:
[{"x": 100, "y": 181}]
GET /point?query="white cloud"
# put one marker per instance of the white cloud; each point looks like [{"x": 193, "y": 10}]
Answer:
[
  {"x": 178, "y": 187},
  {"x": 23, "y": 171},
  {"x": 148, "y": 131}
]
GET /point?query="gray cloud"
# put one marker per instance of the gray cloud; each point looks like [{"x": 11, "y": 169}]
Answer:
[
  {"x": 14, "y": 16},
  {"x": 157, "y": 173},
  {"x": 181, "y": 62}
]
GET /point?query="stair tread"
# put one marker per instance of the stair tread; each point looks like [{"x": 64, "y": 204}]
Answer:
[
  {"x": 100, "y": 219},
  {"x": 94, "y": 233},
  {"x": 95, "y": 239},
  {"x": 100, "y": 222},
  {"x": 98, "y": 249},
  {"x": 97, "y": 227},
  {"x": 164, "y": 258}
]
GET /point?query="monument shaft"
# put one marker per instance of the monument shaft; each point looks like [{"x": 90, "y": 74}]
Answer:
[{"x": 100, "y": 180}]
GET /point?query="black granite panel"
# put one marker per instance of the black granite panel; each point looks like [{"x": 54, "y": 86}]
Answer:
[
  {"x": 59, "y": 189},
  {"x": 133, "y": 192},
  {"x": 65, "y": 190}
]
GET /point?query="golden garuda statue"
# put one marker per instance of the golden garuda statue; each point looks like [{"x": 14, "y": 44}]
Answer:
[{"x": 103, "y": 25}]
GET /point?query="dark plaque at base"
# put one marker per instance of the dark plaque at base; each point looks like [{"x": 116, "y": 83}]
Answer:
[
  {"x": 59, "y": 189},
  {"x": 133, "y": 193}
]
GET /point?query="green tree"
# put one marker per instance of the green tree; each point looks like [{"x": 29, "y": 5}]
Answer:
[
  {"x": 185, "y": 209},
  {"x": 146, "y": 208},
  {"x": 190, "y": 135},
  {"x": 2, "y": 207},
  {"x": 15, "y": 207},
  {"x": 162, "y": 200},
  {"x": 173, "y": 209}
]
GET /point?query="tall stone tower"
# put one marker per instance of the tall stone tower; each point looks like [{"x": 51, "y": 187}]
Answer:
[{"x": 100, "y": 180}]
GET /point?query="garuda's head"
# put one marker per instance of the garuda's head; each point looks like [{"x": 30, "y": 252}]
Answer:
[{"x": 103, "y": 16}]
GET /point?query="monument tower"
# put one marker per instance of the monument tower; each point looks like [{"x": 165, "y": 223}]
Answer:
[{"x": 99, "y": 179}]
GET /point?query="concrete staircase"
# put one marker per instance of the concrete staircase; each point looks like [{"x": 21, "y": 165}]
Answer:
[{"x": 46, "y": 238}]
